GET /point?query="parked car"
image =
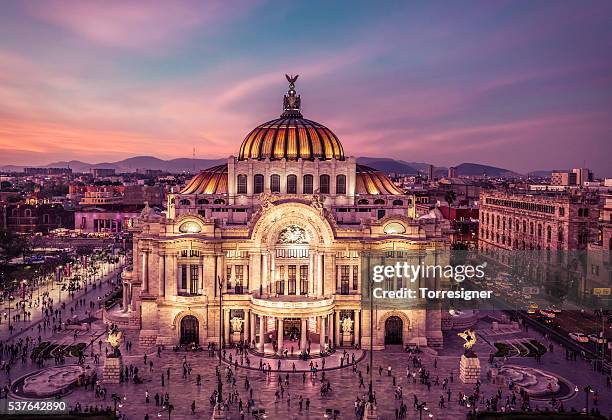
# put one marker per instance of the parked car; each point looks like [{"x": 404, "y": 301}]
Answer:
[
  {"x": 578, "y": 336},
  {"x": 595, "y": 338}
]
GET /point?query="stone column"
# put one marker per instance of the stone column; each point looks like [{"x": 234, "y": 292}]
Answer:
[
  {"x": 226, "y": 326},
  {"x": 356, "y": 327},
  {"x": 130, "y": 298},
  {"x": 322, "y": 328},
  {"x": 311, "y": 268},
  {"x": 304, "y": 334},
  {"x": 252, "y": 320},
  {"x": 280, "y": 335},
  {"x": 247, "y": 326},
  {"x": 174, "y": 279},
  {"x": 264, "y": 273},
  {"x": 161, "y": 270},
  {"x": 145, "y": 271},
  {"x": 319, "y": 280},
  {"x": 262, "y": 333},
  {"x": 125, "y": 297},
  {"x": 337, "y": 330}
]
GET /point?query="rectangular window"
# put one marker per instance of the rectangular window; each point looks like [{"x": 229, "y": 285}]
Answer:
[
  {"x": 183, "y": 276},
  {"x": 355, "y": 277},
  {"x": 258, "y": 184},
  {"x": 228, "y": 278},
  {"x": 275, "y": 183},
  {"x": 341, "y": 184},
  {"x": 308, "y": 184},
  {"x": 324, "y": 184},
  {"x": 291, "y": 275},
  {"x": 291, "y": 184},
  {"x": 242, "y": 184},
  {"x": 303, "y": 279},
  {"x": 238, "y": 278},
  {"x": 280, "y": 282},
  {"x": 344, "y": 280},
  {"x": 193, "y": 280}
]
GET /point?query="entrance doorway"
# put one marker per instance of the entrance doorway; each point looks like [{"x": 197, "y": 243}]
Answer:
[
  {"x": 393, "y": 330},
  {"x": 292, "y": 327},
  {"x": 189, "y": 330}
]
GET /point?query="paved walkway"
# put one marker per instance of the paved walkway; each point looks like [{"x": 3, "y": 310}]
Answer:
[
  {"x": 344, "y": 382},
  {"x": 58, "y": 297}
]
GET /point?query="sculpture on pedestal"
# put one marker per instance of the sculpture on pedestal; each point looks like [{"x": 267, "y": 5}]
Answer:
[{"x": 470, "y": 339}]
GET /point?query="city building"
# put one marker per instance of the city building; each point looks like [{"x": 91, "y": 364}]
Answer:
[
  {"x": 102, "y": 172},
  {"x": 577, "y": 176},
  {"x": 519, "y": 220},
  {"x": 283, "y": 231},
  {"x": 47, "y": 171},
  {"x": 452, "y": 172},
  {"x": 35, "y": 218}
]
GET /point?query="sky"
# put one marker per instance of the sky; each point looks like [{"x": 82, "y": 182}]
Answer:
[{"x": 521, "y": 85}]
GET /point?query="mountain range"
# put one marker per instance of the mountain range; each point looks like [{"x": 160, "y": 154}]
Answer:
[{"x": 387, "y": 165}]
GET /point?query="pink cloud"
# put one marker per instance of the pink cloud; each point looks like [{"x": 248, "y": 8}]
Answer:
[{"x": 136, "y": 24}]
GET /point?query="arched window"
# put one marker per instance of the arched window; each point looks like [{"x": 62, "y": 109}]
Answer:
[
  {"x": 379, "y": 201},
  {"x": 258, "y": 184},
  {"x": 185, "y": 202},
  {"x": 398, "y": 203},
  {"x": 202, "y": 201},
  {"x": 362, "y": 201},
  {"x": 341, "y": 184},
  {"x": 291, "y": 184},
  {"x": 548, "y": 233},
  {"x": 324, "y": 184},
  {"x": 308, "y": 182},
  {"x": 524, "y": 226},
  {"x": 15, "y": 212},
  {"x": 242, "y": 184},
  {"x": 539, "y": 230},
  {"x": 27, "y": 213},
  {"x": 219, "y": 201},
  {"x": 45, "y": 219},
  {"x": 275, "y": 183}
]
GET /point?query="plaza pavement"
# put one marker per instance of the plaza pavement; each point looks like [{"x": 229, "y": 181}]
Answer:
[{"x": 344, "y": 383}]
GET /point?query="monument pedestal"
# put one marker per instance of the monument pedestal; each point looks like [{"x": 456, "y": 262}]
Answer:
[
  {"x": 370, "y": 412},
  {"x": 347, "y": 339},
  {"x": 218, "y": 412},
  {"x": 112, "y": 370},
  {"x": 469, "y": 369}
]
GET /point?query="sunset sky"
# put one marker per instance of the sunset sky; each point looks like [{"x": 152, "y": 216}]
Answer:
[{"x": 523, "y": 85}]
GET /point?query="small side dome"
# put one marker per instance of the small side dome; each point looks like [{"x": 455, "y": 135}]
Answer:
[{"x": 209, "y": 181}]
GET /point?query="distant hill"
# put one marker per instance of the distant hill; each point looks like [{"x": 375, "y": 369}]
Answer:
[
  {"x": 387, "y": 165},
  {"x": 132, "y": 164},
  {"x": 476, "y": 169}
]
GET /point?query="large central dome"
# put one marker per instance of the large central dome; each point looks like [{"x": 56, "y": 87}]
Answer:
[{"x": 291, "y": 136}]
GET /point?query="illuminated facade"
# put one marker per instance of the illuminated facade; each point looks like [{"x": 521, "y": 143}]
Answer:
[{"x": 284, "y": 227}]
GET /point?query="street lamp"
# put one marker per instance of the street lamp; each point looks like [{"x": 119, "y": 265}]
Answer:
[
  {"x": 219, "y": 405},
  {"x": 587, "y": 391},
  {"x": 420, "y": 407}
]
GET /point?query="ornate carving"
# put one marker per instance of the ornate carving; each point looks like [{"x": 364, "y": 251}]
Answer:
[
  {"x": 236, "y": 324},
  {"x": 347, "y": 325},
  {"x": 292, "y": 234}
]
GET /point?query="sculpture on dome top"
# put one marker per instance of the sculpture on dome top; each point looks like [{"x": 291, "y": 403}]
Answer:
[{"x": 291, "y": 101}]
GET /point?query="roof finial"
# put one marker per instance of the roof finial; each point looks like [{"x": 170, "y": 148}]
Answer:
[{"x": 291, "y": 101}]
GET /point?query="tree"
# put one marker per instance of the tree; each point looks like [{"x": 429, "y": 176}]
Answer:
[
  {"x": 11, "y": 246},
  {"x": 450, "y": 197}
]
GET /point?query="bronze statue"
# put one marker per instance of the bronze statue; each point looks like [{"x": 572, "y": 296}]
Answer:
[{"x": 470, "y": 339}]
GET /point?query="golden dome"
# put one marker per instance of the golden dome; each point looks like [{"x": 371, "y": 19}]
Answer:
[
  {"x": 373, "y": 182},
  {"x": 209, "y": 181},
  {"x": 291, "y": 136}
]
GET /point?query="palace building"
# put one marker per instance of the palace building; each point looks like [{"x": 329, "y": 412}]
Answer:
[{"x": 283, "y": 233}]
